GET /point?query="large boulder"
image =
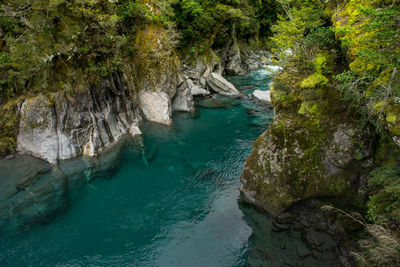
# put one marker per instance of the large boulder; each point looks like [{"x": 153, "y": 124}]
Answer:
[
  {"x": 197, "y": 90},
  {"x": 37, "y": 131},
  {"x": 183, "y": 100},
  {"x": 156, "y": 106},
  {"x": 313, "y": 149},
  {"x": 220, "y": 85},
  {"x": 234, "y": 60}
]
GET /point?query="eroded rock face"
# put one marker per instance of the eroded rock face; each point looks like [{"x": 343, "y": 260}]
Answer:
[
  {"x": 58, "y": 127},
  {"x": 312, "y": 149},
  {"x": 183, "y": 100},
  {"x": 234, "y": 64},
  {"x": 222, "y": 86},
  {"x": 156, "y": 106}
]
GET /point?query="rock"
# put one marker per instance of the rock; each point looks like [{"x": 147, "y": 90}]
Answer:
[
  {"x": 156, "y": 106},
  {"x": 271, "y": 69},
  {"x": 37, "y": 131},
  {"x": 10, "y": 157},
  {"x": 203, "y": 82},
  {"x": 263, "y": 96},
  {"x": 278, "y": 227},
  {"x": 234, "y": 65},
  {"x": 59, "y": 127},
  {"x": 134, "y": 130},
  {"x": 183, "y": 100},
  {"x": 302, "y": 251},
  {"x": 222, "y": 86},
  {"x": 218, "y": 101},
  {"x": 315, "y": 239},
  {"x": 307, "y": 152},
  {"x": 195, "y": 89},
  {"x": 19, "y": 173}
]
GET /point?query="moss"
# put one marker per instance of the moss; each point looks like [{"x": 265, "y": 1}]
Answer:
[
  {"x": 8, "y": 128},
  {"x": 391, "y": 117},
  {"x": 314, "y": 81},
  {"x": 310, "y": 108},
  {"x": 387, "y": 153}
]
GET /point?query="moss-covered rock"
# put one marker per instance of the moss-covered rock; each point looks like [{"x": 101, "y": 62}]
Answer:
[{"x": 313, "y": 149}]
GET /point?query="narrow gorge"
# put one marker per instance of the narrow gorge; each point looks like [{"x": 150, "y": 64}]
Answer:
[{"x": 199, "y": 133}]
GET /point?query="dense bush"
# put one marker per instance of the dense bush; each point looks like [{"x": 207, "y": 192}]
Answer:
[
  {"x": 69, "y": 45},
  {"x": 212, "y": 21}
]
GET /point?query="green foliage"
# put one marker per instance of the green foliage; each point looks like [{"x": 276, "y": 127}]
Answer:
[
  {"x": 69, "y": 45},
  {"x": 214, "y": 21},
  {"x": 384, "y": 205},
  {"x": 292, "y": 28},
  {"x": 370, "y": 30},
  {"x": 8, "y": 129}
]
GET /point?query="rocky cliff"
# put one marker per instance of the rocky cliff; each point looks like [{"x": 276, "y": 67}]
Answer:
[
  {"x": 58, "y": 126},
  {"x": 314, "y": 148}
]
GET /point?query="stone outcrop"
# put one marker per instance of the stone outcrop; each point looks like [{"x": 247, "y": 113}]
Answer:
[
  {"x": 220, "y": 85},
  {"x": 57, "y": 127},
  {"x": 313, "y": 149},
  {"x": 156, "y": 106},
  {"x": 183, "y": 100},
  {"x": 234, "y": 60}
]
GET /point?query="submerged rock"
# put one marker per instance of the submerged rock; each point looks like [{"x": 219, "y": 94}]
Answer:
[
  {"x": 31, "y": 189},
  {"x": 218, "y": 101},
  {"x": 220, "y": 85}
]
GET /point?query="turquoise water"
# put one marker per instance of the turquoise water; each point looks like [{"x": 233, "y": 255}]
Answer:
[{"x": 177, "y": 208}]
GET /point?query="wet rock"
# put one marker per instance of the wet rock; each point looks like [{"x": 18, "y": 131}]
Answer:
[
  {"x": 277, "y": 226},
  {"x": 302, "y": 251},
  {"x": 19, "y": 173},
  {"x": 217, "y": 101},
  {"x": 220, "y": 85},
  {"x": 315, "y": 239},
  {"x": 10, "y": 157}
]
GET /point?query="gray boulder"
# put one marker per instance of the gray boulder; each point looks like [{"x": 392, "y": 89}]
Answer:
[
  {"x": 156, "y": 106},
  {"x": 195, "y": 89},
  {"x": 183, "y": 100},
  {"x": 59, "y": 127},
  {"x": 220, "y": 85}
]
